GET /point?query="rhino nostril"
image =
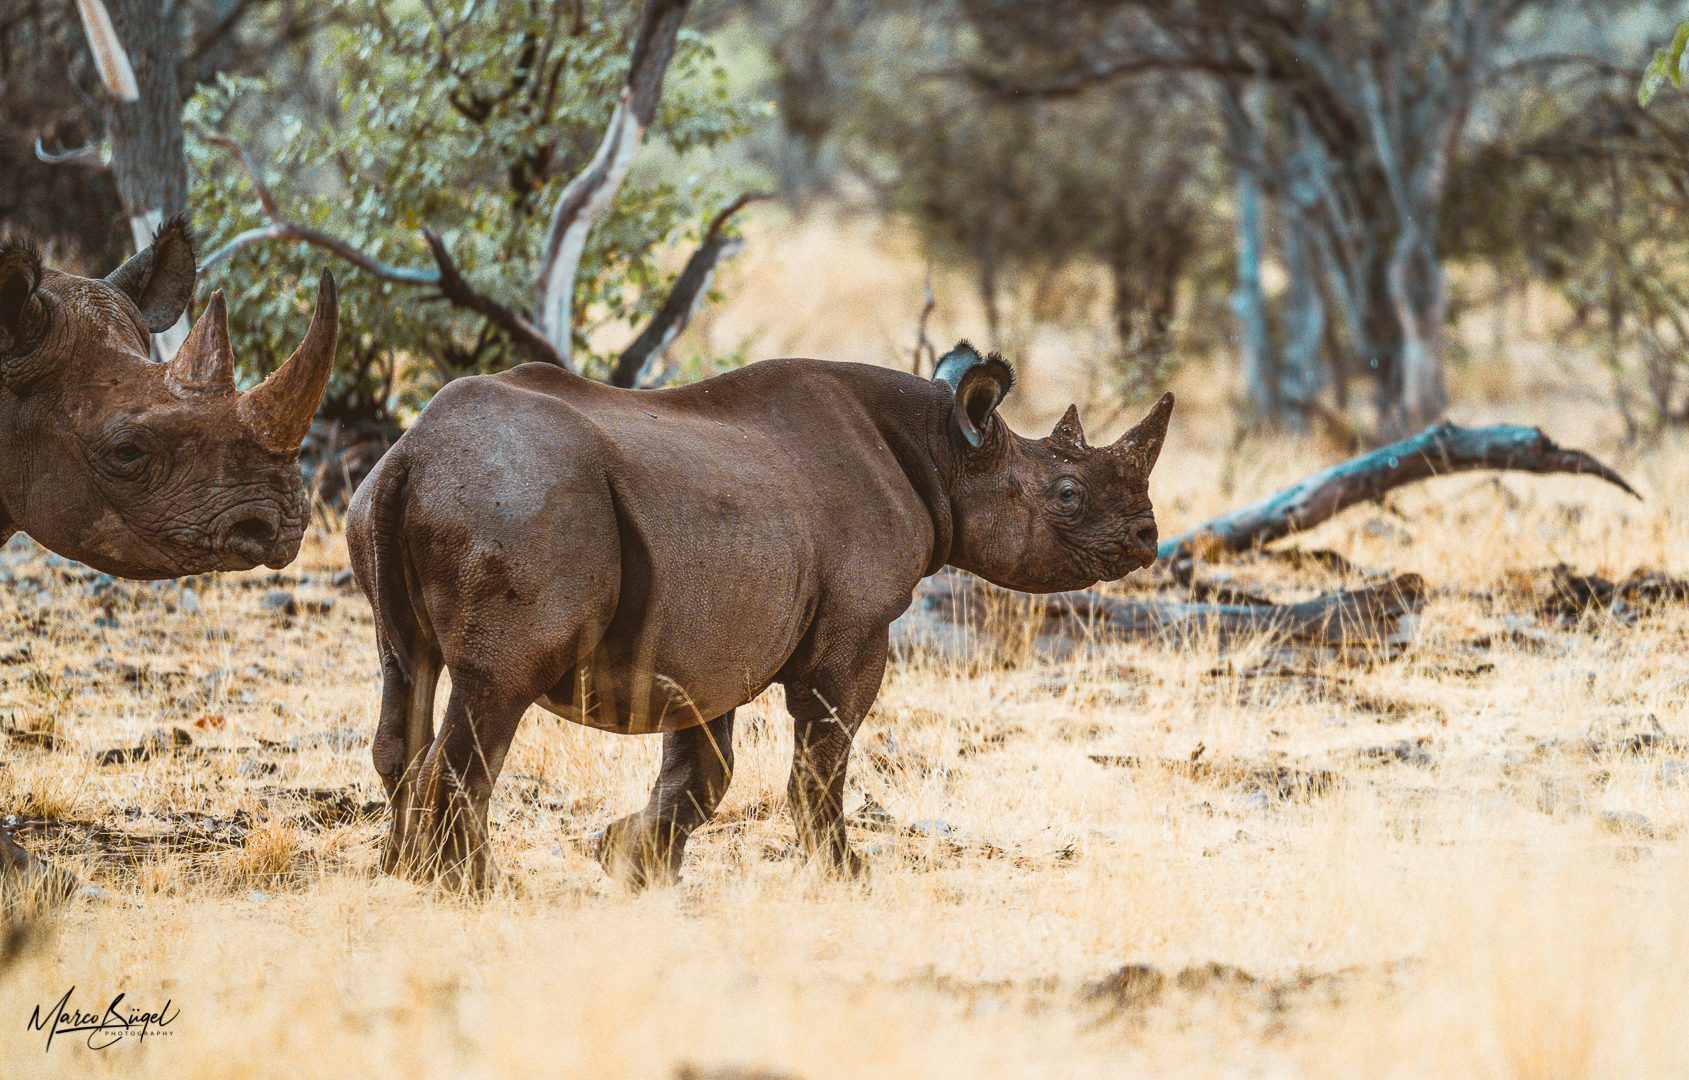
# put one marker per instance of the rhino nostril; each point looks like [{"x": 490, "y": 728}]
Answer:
[{"x": 256, "y": 529}]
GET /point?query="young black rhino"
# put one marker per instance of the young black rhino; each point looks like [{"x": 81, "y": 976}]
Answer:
[
  {"x": 139, "y": 469},
  {"x": 648, "y": 561}
]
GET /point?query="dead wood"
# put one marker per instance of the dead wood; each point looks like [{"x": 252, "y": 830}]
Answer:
[
  {"x": 1377, "y": 614},
  {"x": 1567, "y": 595},
  {"x": 1439, "y": 450},
  {"x": 638, "y": 363}
]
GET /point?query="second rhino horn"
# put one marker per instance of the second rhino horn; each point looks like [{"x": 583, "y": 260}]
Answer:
[{"x": 204, "y": 365}]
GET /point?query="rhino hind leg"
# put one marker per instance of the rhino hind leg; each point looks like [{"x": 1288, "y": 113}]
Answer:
[
  {"x": 402, "y": 739},
  {"x": 447, "y": 835},
  {"x": 646, "y": 848}
]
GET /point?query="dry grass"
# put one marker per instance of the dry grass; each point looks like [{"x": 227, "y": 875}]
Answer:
[{"x": 1498, "y": 894}]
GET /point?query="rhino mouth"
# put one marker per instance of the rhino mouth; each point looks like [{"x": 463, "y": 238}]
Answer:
[
  {"x": 1138, "y": 548},
  {"x": 256, "y": 534}
]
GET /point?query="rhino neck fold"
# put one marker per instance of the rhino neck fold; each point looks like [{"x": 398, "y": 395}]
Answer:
[{"x": 918, "y": 435}]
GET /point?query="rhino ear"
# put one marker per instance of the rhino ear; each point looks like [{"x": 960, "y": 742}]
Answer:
[
  {"x": 20, "y": 307},
  {"x": 980, "y": 383},
  {"x": 160, "y": 280}
]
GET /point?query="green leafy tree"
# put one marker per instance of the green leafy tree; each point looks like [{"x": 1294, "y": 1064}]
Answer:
[{"x": 469, "y": 125}]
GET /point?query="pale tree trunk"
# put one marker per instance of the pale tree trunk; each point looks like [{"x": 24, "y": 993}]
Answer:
[
  {"x": 1302, "y": 373},
  {"x": 147, "y": 160},
  {"x": 585, "y": 199},
  {"x": 1249, "y": 298},
  {"x": 1419, "y": 294}
]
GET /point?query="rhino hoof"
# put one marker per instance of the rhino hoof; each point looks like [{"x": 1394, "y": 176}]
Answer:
[{"x": 640, "y": 854}]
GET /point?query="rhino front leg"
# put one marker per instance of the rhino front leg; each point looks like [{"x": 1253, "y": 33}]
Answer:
[
  {"x": 826, "y": 712},
  {"x": 646, "y": 848}
]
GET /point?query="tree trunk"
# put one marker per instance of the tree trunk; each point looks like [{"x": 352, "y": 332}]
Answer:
[
  {"x": 147, "y": 159},
  {"x": 1419, "y": 295},
  {"x": 1249, "y": 298},
  {"x": 1302, "y": 374}
]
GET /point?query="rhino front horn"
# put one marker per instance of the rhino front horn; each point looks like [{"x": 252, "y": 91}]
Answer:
[
  {"x": 1142, "y": 444},
  {"x": 279, "y": 410},
  {"x": 204, "y": 366}
]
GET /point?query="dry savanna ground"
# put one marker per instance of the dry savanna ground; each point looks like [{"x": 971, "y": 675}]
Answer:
[{"x": 1465, "y": 857}]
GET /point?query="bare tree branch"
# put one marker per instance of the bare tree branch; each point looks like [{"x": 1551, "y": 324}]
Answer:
[
  {"x": 88, "y": 154},
  {"x": 455, "y": 288},
  {"x": 1437, "y": 451},
  {"x": 590, "y": 193},
  {"x": 924, "y": 349},
  {"x": 109, "y": 55},
  {"x": 446, "y": 278},
  {"x": 636, "y": 365}
]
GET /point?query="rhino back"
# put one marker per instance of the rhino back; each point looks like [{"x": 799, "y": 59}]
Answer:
[{"x": 695, "y": 533}]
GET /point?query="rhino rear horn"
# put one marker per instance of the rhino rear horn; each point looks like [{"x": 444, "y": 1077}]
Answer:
[
  {"x": 205, "y": 364},
  {"x": 1069, "y": 431},
  {"x": 279, "y": 410},
  {"x": 1141, "y": 445}
]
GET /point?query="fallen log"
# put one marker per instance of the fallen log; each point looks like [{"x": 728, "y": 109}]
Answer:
[
  {"x": 1439, "y": 450},
  {"x": 953, "y": 608},
  {"x": 1371, "y": 615}
]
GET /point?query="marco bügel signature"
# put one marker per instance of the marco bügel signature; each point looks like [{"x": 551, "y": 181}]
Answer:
[{"x": 118, "y": 1022}]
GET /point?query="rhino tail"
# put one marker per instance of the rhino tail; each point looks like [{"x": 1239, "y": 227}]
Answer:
[{"x": 375, "y": 529}]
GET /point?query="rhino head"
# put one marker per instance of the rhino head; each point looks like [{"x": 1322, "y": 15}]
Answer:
[
  {"x": 137, "y": 468},
  {"x": 1050, "y": 514}
]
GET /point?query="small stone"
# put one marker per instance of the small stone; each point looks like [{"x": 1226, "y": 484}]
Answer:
[
  {"x": 1257, "y": 800},
  {"x": 932, "y": 827},
  {"x": 346, "y": 579},
  {"x": 280, "y": 600}
]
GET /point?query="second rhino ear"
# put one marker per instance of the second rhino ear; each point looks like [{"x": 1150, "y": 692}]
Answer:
[
  {"x": 980, "y": 383},
  {"x": 160, "y": 279},
  {"x": 20, "y": 308}
]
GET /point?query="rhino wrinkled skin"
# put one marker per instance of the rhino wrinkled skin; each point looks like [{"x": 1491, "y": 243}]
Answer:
[{"x": 648, "y": 561}]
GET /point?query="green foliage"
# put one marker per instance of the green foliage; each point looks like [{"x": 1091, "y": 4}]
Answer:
[
  {"x": 471, "y": 128},
  {"x": 1667, "y": 65}
]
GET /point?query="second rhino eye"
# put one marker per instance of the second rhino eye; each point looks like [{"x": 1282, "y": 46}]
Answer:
[{"x": 126, "y": 453}]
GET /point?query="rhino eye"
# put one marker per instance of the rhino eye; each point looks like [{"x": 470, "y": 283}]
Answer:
[
  {"x": 1067, "y": 492},
  {"x": 125, "y": 456}
]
